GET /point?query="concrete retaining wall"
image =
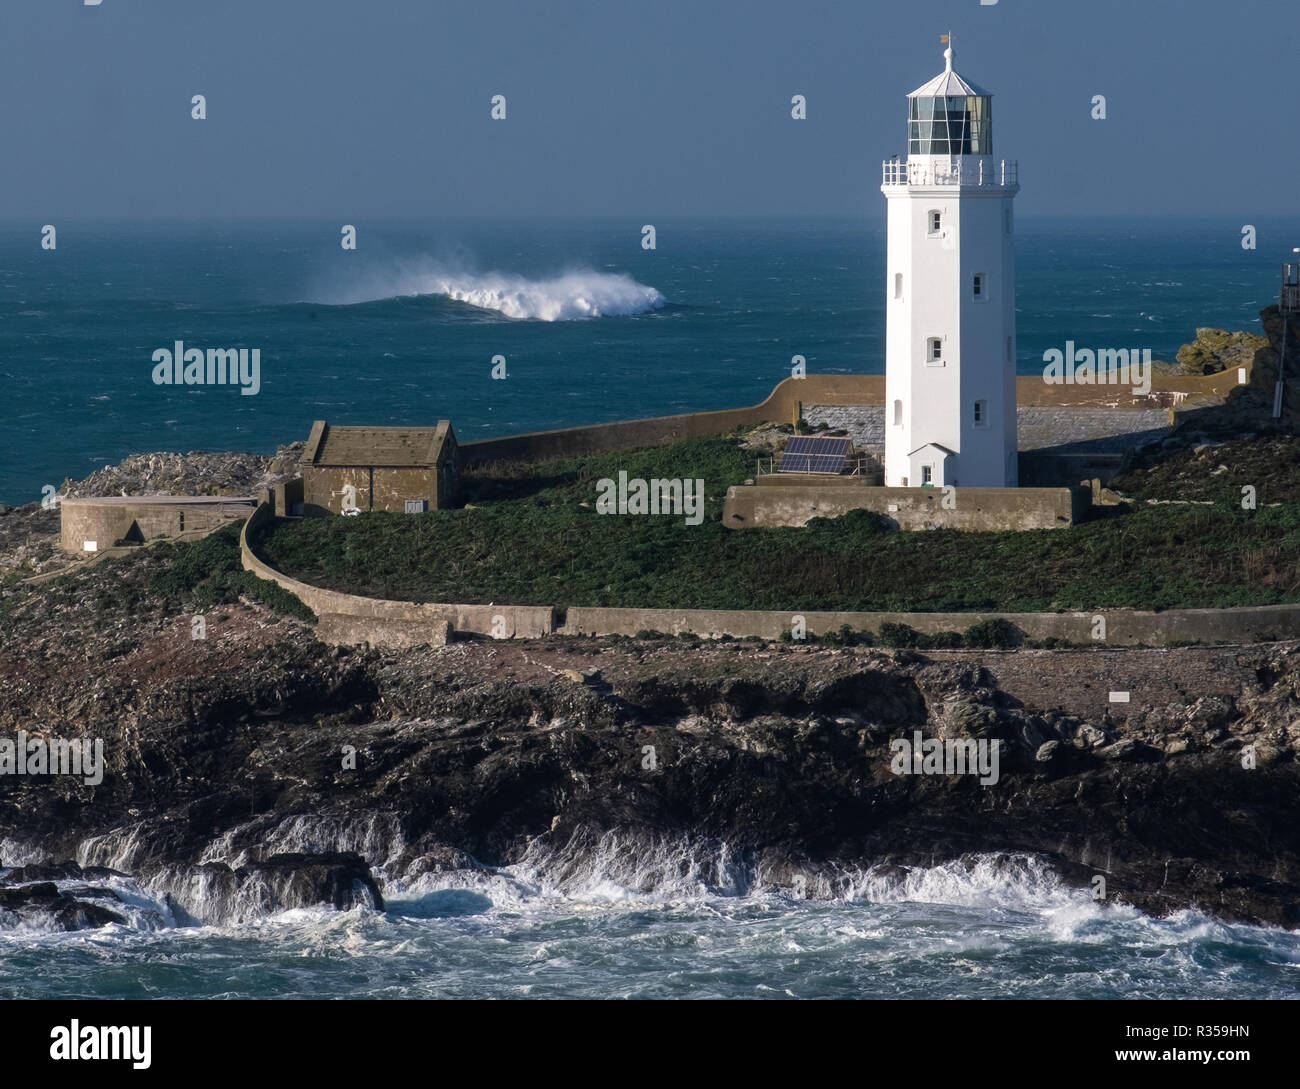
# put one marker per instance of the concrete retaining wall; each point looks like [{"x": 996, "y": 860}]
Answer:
[
  {"x": 776, "y": 503},
  {"x": 346, "y": 618},
  {"x": 1124, "y": 627},
  {"x": 337, "y": 629},
  {"x": 785, "y": 404},
  {"x": 103, "y": 521},
  {"x": 782, "y": 405},
  {"x": 501, "y": 621}
]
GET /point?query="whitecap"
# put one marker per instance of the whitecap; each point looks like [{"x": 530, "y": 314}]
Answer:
[{"x": 569, "y": 296}]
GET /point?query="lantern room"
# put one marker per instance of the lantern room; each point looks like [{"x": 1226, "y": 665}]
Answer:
[{"x": 949, "y": 116}]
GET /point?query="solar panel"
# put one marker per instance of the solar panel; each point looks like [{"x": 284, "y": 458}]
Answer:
[{"x": 815, "y": 454}]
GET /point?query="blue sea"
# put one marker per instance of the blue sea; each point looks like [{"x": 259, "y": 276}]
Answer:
[{"x": 404, "y": 330}]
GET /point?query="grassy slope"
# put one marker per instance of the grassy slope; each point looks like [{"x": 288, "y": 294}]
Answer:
[
  {"x": 528, "y": 540},
  {"x": 1269, "y": 463}
]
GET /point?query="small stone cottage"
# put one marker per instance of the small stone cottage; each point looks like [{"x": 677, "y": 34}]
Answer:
[{"x": 379, "y": 468}]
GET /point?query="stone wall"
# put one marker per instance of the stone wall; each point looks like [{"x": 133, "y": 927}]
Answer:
[
  {"x": 377, "y": 488},
  {"x": 1058, "y": 445},
  {"x": 339, "y": 629},
  {"x": 864, "y": 424},
  {"x": 786, "y": 403},
  {"x": 284, "y": 496},
  {"x": 103, "y": 521},
  {"x": 1124, "y": 627},
  {"x": 774, "y": 502}
]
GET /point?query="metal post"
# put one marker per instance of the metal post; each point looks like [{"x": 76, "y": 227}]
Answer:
[{"x": 1281, "y": 367}]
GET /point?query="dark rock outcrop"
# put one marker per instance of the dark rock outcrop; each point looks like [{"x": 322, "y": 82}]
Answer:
[
  {"x": 42, "y": 904},
  {"x": 1270, "y": 357},
  {"x": 1216, "y": 350}
]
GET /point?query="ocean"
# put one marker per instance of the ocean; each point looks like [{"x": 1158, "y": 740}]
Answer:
[
  {"x": 592, "y": 327},
  {"x": 990, "y": 930}
]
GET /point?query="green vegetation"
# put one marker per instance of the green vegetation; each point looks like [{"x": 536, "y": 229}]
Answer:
[
  {"x": 992, "y": 633},
  {"x": 532, "y": 536},
  {"x": 207, "y": 572},
  {"x": 1268, "y": 463}
]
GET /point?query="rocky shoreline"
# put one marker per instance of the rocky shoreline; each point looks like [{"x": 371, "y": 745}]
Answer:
[{"x": 257, "y": 769}]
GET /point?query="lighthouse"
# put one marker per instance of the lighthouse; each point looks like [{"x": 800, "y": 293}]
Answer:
[{"x": 950, "y": 330}]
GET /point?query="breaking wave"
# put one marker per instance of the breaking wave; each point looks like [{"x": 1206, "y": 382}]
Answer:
[
  {"x": 615, "y": 914},
  {"x": 592, "y": 867},
  {"x": 570, "y": 296}
]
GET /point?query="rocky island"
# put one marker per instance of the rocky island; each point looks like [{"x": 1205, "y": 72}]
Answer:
[{"x": 256, "y": 768}]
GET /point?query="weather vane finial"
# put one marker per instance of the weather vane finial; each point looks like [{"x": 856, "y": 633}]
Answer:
[{"x": 947, "y": 53}]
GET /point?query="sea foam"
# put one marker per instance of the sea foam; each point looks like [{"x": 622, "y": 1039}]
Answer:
[{"x": 580, "y": 293}]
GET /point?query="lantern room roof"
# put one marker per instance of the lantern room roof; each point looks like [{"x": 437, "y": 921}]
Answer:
[{"x": 948, "y": 84}]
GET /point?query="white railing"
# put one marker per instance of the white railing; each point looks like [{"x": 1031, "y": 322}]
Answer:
[{"x": 1001, "y": 174}]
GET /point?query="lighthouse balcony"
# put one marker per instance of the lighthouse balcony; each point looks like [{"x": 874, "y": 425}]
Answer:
[{"x": 981, "y": 172}]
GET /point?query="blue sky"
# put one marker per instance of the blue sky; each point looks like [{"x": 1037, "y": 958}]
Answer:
[{"x": 344, "y": 109}]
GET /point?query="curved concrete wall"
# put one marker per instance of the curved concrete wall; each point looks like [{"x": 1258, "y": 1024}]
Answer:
[
  {"x": 500, "y": 621},
  {"x": 1124, "y": 627},
  {"x": 105, "y": 520},
  {"x": 784, "y": 405},
  {"x": 353, "y": 619},
  {"x": 781, "y": 406}
]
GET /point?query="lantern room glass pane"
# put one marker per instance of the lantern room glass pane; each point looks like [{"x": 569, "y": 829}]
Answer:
[{"x": 951, "y": 125}]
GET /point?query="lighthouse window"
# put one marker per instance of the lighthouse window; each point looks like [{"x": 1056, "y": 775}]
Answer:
[
  {"x": 936, "y": 222},
  {"x": 898, "y": 413},
  {"x": 927, "y": 476},
  {"x": 979, "y": 286},
  {"x": 950, "y": 126},
  {"x": 934, "y": 350},
  {"x": 898, "y": 285},
  {"x": 981, "y": 413}
]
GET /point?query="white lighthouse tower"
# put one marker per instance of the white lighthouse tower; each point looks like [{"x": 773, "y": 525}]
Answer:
[{"x": 950, "y": 373}]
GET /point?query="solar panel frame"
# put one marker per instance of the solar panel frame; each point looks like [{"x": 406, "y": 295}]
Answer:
[{"x": 822, "y": 454}]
